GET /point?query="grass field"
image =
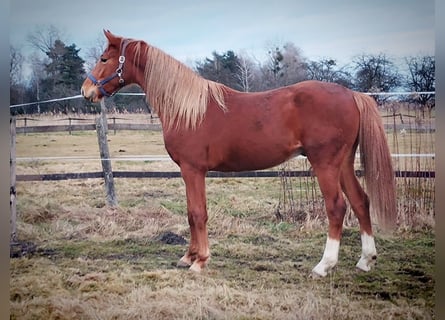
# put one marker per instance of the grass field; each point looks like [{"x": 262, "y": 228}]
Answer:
[{"x": 78, "y": 259}]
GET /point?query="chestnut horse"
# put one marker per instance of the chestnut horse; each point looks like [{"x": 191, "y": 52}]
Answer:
[{"x": 208, "y": 126}]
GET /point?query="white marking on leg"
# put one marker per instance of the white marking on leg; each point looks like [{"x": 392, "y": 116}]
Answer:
[
  {"x": 329, "y": 259},
  {"x": 195, "y": 267},
  {"x": 198, "y": 264},
  {"x": 369, "y": 253}
]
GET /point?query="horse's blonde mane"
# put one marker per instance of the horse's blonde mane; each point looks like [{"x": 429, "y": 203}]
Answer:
[{"x": 178, "y": 94}]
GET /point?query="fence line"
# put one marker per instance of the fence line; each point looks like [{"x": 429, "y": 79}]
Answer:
[
  {"x": 93, "y": 158},
  {"x": 156, "y": 126},
  {"x": 167, "y": 158},
  {"x": 407, "y": 93},
  {"x": 68, "y": 98},
  {"x": 400, "y": 93},
  {"x": 210, "y": 174},
  {"x": 70, "y": 119},
  {"x": 80, "y": 119},
  {"x": 45, "y": 101},
  {"x": 88, "y": 127}
]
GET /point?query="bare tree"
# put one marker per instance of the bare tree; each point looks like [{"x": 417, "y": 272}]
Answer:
[
  {"x": 376, "y": 73},
  {"x": 326, "y": 70},
  {"x": 422, "y": 77},
  {"x": 43, "y": 37},
  {"x": 273, "y": 68},
  {"x": 37, "y": 75},
  {"x": 16, "y": 62},
  {"x": 245, "y": 72},
  {"x": 294, "y": 64},
  {"x": 16, "y": 88},
  {"x": 93, "y": 53},
  {"x": 284, "y": 66}
]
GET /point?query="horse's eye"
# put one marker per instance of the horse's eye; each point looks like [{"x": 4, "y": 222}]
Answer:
[{"x": 102, "y": 59}]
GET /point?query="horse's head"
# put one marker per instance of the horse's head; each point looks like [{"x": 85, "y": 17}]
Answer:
[{"x": 107, "y": 76}]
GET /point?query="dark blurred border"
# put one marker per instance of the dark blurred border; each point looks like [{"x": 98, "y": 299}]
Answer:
[
  {"x": 440, "y": 159},
  {"x": 4, "y": 161}
]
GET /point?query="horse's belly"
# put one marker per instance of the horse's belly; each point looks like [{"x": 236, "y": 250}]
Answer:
[{"x": 251, "y": 158}]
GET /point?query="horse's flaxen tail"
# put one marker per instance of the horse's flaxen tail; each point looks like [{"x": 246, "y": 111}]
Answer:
[{"x": 376, "y": 160}]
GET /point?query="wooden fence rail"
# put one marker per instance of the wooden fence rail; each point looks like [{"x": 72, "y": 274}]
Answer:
[
  {"x": 87, "y": 127},
  {"x": 210, "y": 174},
  {"x": 154, "y": 125},
  {"x": 157, "y": 127}
]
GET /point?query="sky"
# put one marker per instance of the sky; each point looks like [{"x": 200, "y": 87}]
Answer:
[{"x": 192, "y": 30}]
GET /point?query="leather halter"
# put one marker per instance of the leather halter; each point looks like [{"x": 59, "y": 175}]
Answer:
[{"x": 117, "y": 74}]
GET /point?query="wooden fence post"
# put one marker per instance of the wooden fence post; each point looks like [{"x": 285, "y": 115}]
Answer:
[
  {"x": 102, "y": 131},
  {"x": 12, "y": 190}
]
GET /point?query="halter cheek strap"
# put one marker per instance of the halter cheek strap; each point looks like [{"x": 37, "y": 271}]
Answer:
[{"x": 117, "y": 74}]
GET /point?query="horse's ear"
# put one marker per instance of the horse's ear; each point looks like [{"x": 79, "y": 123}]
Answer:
[
  {"x": 109, "y": 35},
  {"x": 112, "y": 39}
]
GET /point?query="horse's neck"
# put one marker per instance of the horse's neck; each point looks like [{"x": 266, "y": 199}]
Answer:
[
  {"x": 138, "y": 67},
  {"x": 138, "y": 62}
]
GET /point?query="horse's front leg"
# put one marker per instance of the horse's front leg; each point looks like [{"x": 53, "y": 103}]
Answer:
[{"x": 198, "y": 253}]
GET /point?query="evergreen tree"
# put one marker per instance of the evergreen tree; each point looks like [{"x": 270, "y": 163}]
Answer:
[
  {"x": 65, "y": 68},
  {"x": 64, "y": 75},
  {"x": 221, "y": 68}
]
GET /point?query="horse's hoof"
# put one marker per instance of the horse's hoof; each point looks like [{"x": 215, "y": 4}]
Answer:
[
  {"x": 195, "y": 267},
  {"x": 317, "y": 274},
  {"x": 366, "y": 264},
  {"x": 362, "y": 267},
  {"x": 320, "y": 271},
  {"x": 183, "y": 263}
]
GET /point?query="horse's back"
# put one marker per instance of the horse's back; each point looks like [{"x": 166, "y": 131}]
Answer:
[{"x": 263, "y": 129}]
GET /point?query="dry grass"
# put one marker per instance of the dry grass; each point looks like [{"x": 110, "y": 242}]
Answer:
[
  {"x": 94, "y": 262},
  {"x": 87, "y": 261},
  {"x": 102, "y": 263}
]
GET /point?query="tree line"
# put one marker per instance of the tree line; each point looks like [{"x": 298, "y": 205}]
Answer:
[{"x": 58, "y": 70}]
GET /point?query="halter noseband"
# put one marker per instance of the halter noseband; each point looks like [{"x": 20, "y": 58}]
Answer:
[{"x": 117, "y": 74}]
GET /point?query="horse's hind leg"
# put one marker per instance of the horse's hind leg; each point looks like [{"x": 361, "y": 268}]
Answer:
[
  {"x": 360, "y": 205},
  {"x": 328, "y": 179}
]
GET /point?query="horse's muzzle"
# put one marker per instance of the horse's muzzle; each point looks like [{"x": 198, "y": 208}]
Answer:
[{"x": 89, "y": 94}]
